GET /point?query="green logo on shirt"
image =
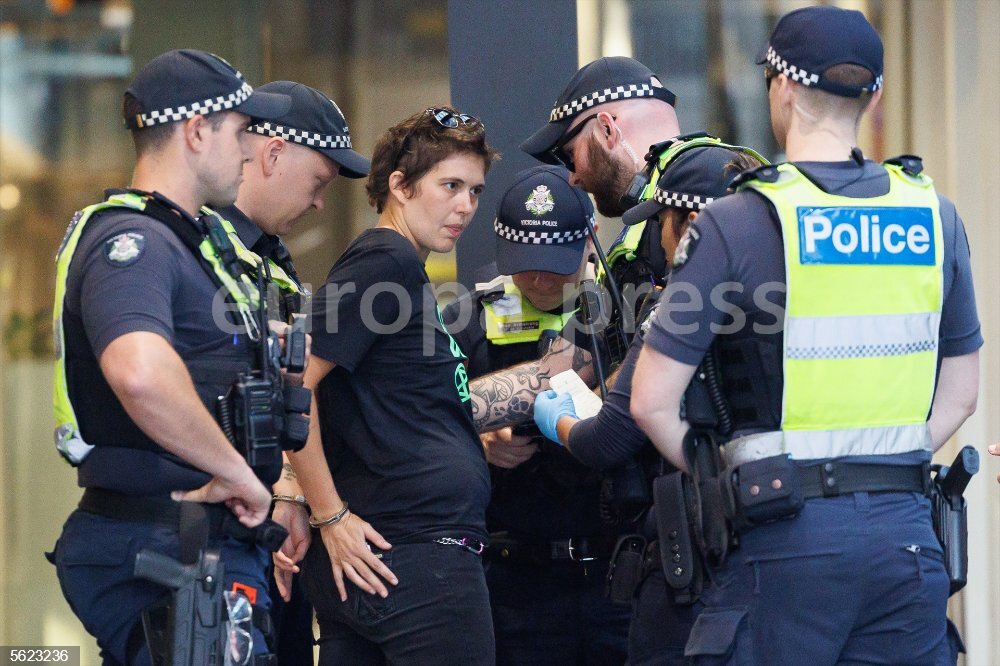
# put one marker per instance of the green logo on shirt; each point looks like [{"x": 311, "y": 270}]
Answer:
[{"x": 461, "y": 376}]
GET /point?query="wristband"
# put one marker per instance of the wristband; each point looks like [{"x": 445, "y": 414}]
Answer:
[{"x": 332, "y": 520}]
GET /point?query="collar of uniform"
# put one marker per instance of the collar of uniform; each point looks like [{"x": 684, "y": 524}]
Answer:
[
  {"x": 154, "y": 195},
  {"x": 248, "y": 232}
]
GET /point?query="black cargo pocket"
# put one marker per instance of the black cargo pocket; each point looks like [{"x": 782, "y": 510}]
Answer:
[{"x": 719, "y": 636}]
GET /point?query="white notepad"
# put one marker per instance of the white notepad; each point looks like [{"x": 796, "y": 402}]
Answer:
[{"x": 586, "y": 402}]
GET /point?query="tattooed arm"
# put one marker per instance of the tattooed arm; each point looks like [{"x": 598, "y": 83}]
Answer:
[{"x": 506, "y": 397}]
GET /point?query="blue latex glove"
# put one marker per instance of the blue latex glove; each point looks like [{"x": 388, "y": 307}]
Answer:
[{"x": 549, "y": 408}]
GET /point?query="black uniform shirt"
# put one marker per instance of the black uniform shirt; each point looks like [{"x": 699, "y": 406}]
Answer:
[{"x": 398, "y": 437}]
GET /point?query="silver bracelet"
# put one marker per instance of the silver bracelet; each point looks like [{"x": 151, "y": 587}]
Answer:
[
  {"x": 332, "y": 520},
  {"x": 296, "y": 499}
]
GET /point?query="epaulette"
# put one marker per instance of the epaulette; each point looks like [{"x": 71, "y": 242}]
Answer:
[
  {"x": 911, "y": 164},
  {"x": 766, "y": 172}
]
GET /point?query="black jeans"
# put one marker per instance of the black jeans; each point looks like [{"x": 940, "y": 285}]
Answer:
[
  {"x": 438, "y": 614},
  {"x": 555, "y": 615}
]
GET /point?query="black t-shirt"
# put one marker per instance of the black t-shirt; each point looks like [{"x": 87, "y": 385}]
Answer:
[
  {"x": 549, "y": 496},
  {"x": 395, "y": 411},
  {"x": 132, "y": 273},
  {"x": 740, "y": 242}
]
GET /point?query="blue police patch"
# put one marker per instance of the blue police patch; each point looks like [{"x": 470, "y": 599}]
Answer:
[
  {"x": 866, "y": 235},
  {"x": 124, "y": 249}
]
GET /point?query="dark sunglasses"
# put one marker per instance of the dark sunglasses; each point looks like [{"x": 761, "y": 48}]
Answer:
[
  {"x": 452, "y": 120},
  {"x": 558, "y": 151},
  {"x": 769, "y": 74}
]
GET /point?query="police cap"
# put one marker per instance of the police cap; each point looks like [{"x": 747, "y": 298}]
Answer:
[
  {"x": 184, "y": 83},
  {"x": 605, "y": 80},
  {"x": 808, "y": 41},
  {"x": 691, "y": 181},
  {"x": 542, "y": 223},
  {"x": 314, "y": 121}
]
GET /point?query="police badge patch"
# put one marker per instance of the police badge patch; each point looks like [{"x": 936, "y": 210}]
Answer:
[
  {"x": 124, "y": 249},
  {"x": 540, "y": 201},
  {"x": 686, "y": 246}
]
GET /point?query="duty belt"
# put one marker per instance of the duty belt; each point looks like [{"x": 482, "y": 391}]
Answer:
[
  {"x": 834, "y": 478},
  {"x": 582, "y": 549},
  {"x": 168, "y": 513}
]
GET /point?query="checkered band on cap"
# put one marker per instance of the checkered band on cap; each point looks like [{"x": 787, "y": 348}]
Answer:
[
  {"x": 678, "y": 200},
  {"x": 600, "y": 97},
  {"x": 311, "y": 139},
  {"x": 538, "y": 237},
  {"x": 800, "y": 75},
  {"x": 790, "y": 70},
  {"x": 204, "y": 107}
]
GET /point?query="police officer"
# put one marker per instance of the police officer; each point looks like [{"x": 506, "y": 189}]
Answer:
[
  {"x": 548, "y": 547},
  {"x": 295, "y": 158},
  {"x": 610, "y": 114},
  {"x": 142, "y": 355},
  {"x": 600, "y": 127},
  {"x": 696, "y": 173},
  {"x": 844, "y": 320}
]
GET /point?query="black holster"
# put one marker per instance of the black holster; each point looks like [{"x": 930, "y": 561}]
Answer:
[
  {"x": 712, "y": 529},
  {"x": 676, "y": 502},
  {"x": 626, "y": 571},
  {"x": 949, "y": 514}
]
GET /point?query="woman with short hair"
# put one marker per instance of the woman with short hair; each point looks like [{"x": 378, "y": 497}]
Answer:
[{"x": 393, "y": 470}]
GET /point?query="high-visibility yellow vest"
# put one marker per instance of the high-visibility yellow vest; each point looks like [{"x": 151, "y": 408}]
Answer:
[
  {"x": 512, "y": 318},
  {"x": 863, "y": 306}
]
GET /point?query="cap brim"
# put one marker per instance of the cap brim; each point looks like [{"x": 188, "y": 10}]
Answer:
[
  {"x": 562, "y": 259},
  {"x": 265, "y": 105},
  {"x": 352, "y": 164},
  {"x": 762, "y": 54},
  {"x": 539, "y": 144},
  {"x": 640, "y": 213}
]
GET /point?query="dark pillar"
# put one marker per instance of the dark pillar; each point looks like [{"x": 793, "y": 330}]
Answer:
[{"x": 508, "y": 61}]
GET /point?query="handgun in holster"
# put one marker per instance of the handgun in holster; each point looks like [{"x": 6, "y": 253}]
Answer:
[{"x": 949, "y": 513}]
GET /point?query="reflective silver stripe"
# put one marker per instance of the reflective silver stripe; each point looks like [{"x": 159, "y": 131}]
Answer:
[
  {"x": 861, "y": 336},
  {"x": 812, "y": 444}
]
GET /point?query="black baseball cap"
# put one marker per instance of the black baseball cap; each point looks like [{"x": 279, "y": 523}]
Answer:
[
  {"x": 315, "y": 121},
  {"x": 605, "y": 80},
  {"x": 181, "y": 84},
  {"x": 541, "y": 224},
  {"x": 694, "y": 179},
  {"x": 808, "y": 41}
]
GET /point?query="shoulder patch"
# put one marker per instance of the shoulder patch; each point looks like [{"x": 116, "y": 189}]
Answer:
[
  {"x": 686, "y": 246},
  {"x": 124, "y": 249}
]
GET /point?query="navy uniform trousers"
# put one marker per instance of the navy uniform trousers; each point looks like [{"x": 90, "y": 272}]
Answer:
[{"x": 853, "y": 579}]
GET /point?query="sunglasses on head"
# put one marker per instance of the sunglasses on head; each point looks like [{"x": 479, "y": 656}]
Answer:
[
  {"x": 451, "y": 120},
  {"x": 444, "y": 118},
  {"x": 558, "y": 151}
]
